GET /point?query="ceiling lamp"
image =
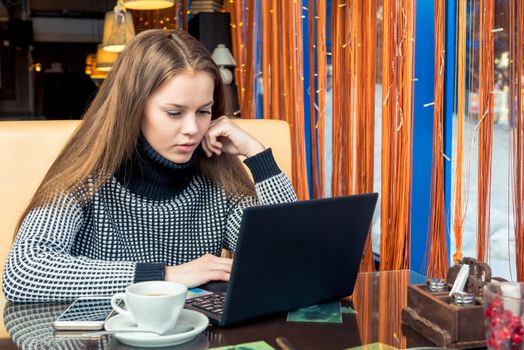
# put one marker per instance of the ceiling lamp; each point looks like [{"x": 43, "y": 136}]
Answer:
[
  {"x": 90, "y": 63},
  {"x": 148, "y": 4},
  {"x": 118, "y": 29},
  {"x": 104, "y": 59},
  {"x": 96, "y": 75}
]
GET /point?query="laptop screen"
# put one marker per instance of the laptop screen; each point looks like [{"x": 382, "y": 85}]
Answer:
[{"x": 297, "y": 254}]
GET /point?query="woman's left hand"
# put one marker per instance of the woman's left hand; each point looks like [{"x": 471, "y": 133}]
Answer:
[{"x": 224, "y": 136}]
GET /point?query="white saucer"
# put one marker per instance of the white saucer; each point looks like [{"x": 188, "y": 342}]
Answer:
[{"x": 187, "y": 318}]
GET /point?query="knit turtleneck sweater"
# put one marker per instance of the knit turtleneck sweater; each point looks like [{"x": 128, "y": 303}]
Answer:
[{"x": 151, "y": 175}]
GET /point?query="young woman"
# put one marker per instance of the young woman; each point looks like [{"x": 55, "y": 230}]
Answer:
[{"x": 149, "y": 187}]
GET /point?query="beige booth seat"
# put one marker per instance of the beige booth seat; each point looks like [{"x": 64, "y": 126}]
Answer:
[{"x": 28, "y": 148}]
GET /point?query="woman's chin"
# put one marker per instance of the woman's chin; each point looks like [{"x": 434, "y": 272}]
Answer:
[{"x": 181, "y": 158}]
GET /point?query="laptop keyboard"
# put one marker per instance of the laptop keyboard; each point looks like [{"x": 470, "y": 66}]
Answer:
[{"x": 213, "y": 303}]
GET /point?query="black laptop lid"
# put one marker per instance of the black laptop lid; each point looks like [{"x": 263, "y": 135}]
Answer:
[{"x": 297, "y": 254}]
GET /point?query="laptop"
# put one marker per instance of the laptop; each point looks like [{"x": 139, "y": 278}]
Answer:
[{"x": 289, "y": 256}]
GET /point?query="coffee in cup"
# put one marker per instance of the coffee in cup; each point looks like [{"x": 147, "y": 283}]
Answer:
[{"x": 154, "y": 305}]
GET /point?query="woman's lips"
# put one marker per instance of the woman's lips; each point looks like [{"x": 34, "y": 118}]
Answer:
[{"x": 186, "y": 147}]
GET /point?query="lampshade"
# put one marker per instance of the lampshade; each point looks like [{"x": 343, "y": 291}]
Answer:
[
  {"x": 104, "y": 59},
  {"x": 222, "y": 56},
  {"x": 118, "y": 31},
  {"x": 91, "y": 70},
  {"x": 148, "y": 4},
  {"x": 90, "y": 63}
]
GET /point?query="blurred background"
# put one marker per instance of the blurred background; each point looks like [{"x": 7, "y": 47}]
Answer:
[{"x": 51, "y": 57}]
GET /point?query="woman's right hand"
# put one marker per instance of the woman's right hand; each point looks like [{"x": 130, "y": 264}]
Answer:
[{"x": 199, "y": 271}]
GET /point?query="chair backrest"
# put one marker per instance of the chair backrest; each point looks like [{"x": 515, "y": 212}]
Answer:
[
  {"x": 275, "y": 134},
  {"x": 28, "y": 148}
]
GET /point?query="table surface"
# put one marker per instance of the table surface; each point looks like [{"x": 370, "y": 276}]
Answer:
[{"x": 378, "y": 299}]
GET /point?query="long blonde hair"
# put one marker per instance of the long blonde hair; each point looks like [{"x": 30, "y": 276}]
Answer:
[{"x": 111, "y": 126}]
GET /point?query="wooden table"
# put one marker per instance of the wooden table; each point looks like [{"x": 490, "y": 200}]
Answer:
[{"x": 378, "y": 299}]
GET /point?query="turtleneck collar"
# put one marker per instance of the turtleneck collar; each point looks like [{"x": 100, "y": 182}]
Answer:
[{"x": 151, "y": 175}]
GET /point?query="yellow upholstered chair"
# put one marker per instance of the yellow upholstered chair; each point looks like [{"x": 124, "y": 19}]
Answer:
[
  {"x": 28, "y": 148},
  {"x": 275, "y": 134}
]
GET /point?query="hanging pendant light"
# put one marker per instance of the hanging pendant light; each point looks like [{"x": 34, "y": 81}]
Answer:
[
  {"x": 94, "y": 74},
  {"x": 104, "y": 59},
  {"x": 118, "y": 29},
  {"x": 90, "y": 63},
  {"x": 148, "y": 4}
]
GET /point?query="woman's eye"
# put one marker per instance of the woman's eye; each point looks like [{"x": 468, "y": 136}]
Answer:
[
  {"x": 173, "y": 113},
  {"x": 204, "y": 112}
]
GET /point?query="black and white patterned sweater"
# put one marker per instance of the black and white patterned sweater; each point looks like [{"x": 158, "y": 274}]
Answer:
[{"x": 150, "y": 214}]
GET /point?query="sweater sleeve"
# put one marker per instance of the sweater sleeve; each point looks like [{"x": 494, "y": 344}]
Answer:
[
  {"x": 271, "y": 186},
  {"x": 41, "y": 268}
]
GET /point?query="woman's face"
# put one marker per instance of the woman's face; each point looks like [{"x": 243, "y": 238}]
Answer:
[{"x": 178, "y": 114}]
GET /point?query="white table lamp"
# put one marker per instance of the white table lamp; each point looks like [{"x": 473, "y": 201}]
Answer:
[{"x": 223, "y": 58}]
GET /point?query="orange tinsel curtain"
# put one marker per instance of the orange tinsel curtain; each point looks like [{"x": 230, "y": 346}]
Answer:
[
  {"x": 317, "y": 90},
  {"x": 437, "y": 262},
  {"x": 458, "y": 214},
  {"x": 517, "y": 123},
  {"x": 282, "y": 73},
  {"x": 282, "y": 70},
  {"x": 354, "y": 48},
  {"x": 485, "y": 124},
  {"x": 397, "y": 122},
  {"x": 242, "y": 32}
]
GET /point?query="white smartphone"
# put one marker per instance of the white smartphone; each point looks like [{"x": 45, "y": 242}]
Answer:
[{"x": 85, "y": 313}]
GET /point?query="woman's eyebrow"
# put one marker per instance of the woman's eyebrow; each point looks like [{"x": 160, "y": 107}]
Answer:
[{"x": 183, "y": 107}]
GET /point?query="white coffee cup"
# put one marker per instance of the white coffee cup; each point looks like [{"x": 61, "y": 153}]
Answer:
[{"x": 154, "y": 305}]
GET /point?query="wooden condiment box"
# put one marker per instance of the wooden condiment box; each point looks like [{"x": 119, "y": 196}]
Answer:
[{"x": 448, "y": 325}]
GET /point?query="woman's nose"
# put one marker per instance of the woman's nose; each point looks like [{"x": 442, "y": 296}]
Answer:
[{"x": 190, "y": 125}]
